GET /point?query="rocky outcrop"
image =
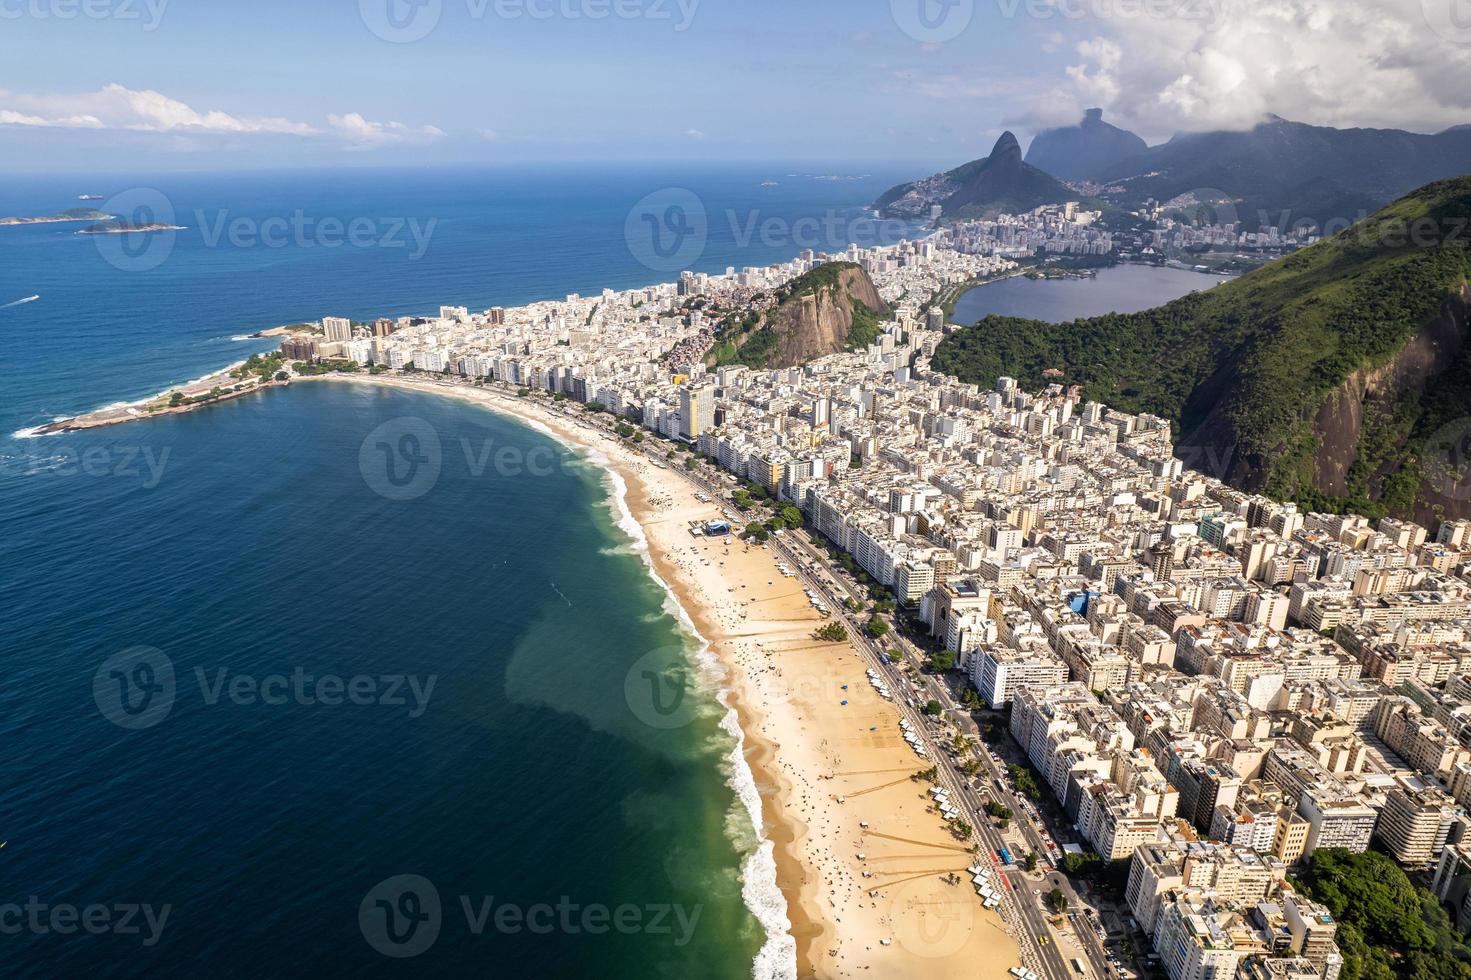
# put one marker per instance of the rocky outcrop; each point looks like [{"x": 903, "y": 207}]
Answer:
[
  {"x": 818, "y": 322},
  {"x": 1078, "y": 152},
  {"x": 833, "y": 308},
  {"x": 1365, "y": 395},
  {"x": 999, "y": 182}
]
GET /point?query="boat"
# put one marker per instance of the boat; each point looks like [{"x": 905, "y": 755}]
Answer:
[{"x": 90, "y": 197}]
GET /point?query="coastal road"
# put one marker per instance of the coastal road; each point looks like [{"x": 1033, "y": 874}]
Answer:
[
  {"x": 1021, "y": 906},
  {"x": 1024, "y": 825}
]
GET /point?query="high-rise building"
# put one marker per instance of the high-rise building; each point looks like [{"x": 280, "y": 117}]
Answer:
[
  {"x": 696, "y": 411},
  {"x": 336, "y": 329}
]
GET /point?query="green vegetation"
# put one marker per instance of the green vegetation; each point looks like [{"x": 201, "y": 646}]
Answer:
[
  {"x": 263, "y": 366},
  {"x": 1025, "y": 780},
  {"x": 933, "y": 707},
  {"x": 941, "y": 661},
  {"x": 876, "y": 628},
  {"x": 1387, "y": 927},
  {"x": 1056, "y": 901},
  {"x": 1243, "y": 370},
  {"x": 752, "y": 339},
  {"x": 326, "y": 367},
  {"x": 832, "y": 633}
]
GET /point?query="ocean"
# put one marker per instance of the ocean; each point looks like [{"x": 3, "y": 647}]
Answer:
[{"x": 271, "y": 708}]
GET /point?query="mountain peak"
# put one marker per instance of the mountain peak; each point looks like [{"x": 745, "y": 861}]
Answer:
[
  {"x": 1006, "y": 145},
  {"x": 1093, "y": 115}
]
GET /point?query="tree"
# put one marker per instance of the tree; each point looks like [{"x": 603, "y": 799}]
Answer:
[
  {"x": 1056, "y": 901},
  {"x": 1387, "y": 926},
  {"x": 941, "y": 661},
  {"x": 933, "y": 707},
  {"x": 176, "y": 399},
  {"x": 877, "y": 628},
  {"x": 1030, "y": 864},
  {"x": 791, "y": 516},
  {"x": 832, "y": 633}
]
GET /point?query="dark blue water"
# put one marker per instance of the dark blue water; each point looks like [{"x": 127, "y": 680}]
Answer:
[
  {"x": 1121, "y": 289},
  {"x": 249, "y": 544},
  {"x": 122, "y": 317}
]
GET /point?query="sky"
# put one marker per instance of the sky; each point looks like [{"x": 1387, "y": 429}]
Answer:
[{"x": 124, "y": 85}]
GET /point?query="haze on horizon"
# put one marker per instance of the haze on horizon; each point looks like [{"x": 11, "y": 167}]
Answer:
[{"x": 226, "y": 85}]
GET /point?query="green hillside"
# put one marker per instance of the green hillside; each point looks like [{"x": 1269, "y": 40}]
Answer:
[{"x": 1246, "y": 369}]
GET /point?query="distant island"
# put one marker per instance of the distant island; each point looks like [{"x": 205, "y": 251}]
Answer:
[
  {"x": 126, "y": 228},
  {"x": 75, "y": 214}
]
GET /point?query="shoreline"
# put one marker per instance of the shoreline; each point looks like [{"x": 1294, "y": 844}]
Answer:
[{"x": 809, "y": 733}]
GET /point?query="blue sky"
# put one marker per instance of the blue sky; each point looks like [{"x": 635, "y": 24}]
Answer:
[{"x": 215, "y": 84}]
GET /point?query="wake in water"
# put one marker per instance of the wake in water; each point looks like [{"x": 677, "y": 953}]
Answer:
[{"x": 20, "y": 302}]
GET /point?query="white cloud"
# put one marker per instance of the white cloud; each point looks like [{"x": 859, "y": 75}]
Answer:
[
  {"x": 363, "y": 133},
  {"x": 694, "y": 134},
  {"x": 1226, "y": 64},
  {"x": 9, "y": 117},
  {"x": 117, "y": 107}
]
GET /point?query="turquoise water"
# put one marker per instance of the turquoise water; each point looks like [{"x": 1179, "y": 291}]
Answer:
[
  {"x": 1121, "y": 289},
  {"x": 260, "y": 552}
]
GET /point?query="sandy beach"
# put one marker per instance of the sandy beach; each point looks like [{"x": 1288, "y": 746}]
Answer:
[{"x": 824, "y": 769}]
